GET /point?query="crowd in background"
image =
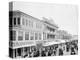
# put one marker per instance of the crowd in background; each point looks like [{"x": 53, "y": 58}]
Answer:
[{"x": 68, "y": 48}]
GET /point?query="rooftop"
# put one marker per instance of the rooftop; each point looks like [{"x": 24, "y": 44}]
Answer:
[{"x": 45, "y": 20}]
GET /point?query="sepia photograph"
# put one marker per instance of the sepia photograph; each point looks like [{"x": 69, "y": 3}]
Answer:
[{"x": 42, "y": 29}]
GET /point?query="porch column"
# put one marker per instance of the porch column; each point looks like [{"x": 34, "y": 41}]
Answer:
[
  {"x": 22, "y": 52},
  {"x": 16, "y": 53},
  {"x": 30, "y": 48},
  {"x": 40, "y": 52},
  {"x": 13, "y": 53}
]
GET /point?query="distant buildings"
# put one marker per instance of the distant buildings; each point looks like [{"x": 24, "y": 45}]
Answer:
[
  {"x": 61, "y": 34},
  {"x": 74, "y": 37},
  {"x": 26, "y": 31}
]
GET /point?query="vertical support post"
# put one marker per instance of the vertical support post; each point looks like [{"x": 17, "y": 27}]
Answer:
[
  {"x": 40, "y": 50},
  {"x": 30, "y": 48},
  {"x": 16, "y": 53},
  {"x": 12, "y": 53},
  {"x": 22, "y": 52}
]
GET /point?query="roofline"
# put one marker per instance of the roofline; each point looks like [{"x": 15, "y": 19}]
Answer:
[
  {"x": 51, "y": 24},
  {"x": 34, "y": 17},
  {"x": 27, "y": 15}
]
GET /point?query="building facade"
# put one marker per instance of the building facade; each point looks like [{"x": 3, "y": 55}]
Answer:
[{"x": 26, "y": 32}]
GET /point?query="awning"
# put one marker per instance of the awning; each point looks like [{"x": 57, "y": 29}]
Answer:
[{"x": 54, "y": 42}]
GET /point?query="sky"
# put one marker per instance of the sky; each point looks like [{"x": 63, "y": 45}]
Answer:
[{"x": 64, "y": 15}]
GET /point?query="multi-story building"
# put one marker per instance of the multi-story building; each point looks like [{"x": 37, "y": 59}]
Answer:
[{"x": 26, "y": 32}]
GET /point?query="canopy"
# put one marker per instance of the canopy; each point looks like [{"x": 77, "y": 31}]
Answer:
[{"x": 54, "y": 42}]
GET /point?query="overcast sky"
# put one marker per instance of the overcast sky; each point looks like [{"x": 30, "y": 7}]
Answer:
[{"x": 66, "y": 16}]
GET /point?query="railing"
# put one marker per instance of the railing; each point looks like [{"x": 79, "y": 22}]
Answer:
[{"x": 17, "y": 44}]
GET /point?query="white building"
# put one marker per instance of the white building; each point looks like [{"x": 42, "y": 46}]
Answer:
[{"x": 26, "y": 32}]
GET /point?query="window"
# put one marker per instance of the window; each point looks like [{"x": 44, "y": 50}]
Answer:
[
  {"x": 36, "y": 36},
  {"x": 20, "y": 35},
  {"x": 10, "y": 21},
  {"x": 39, "y": 36},
  {"x": 14, "y": 21},
  {"x": 12, "y": 35},
  {"x": 18, "y": 21},
  {"x": 26, "y": 22},
  {"x": 23, "y": 22},
  {"x": 49, "y": 36},
  {"x": 30, "y": 23},
  {"x": 44, "y": 36},
  {"x": 26, "y": 35},
  {"x": 38, "y": 25},
  {"x": 32, "y": 36}
]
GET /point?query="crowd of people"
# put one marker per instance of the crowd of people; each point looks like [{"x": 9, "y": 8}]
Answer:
[{"x": 68, "y": 48}]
